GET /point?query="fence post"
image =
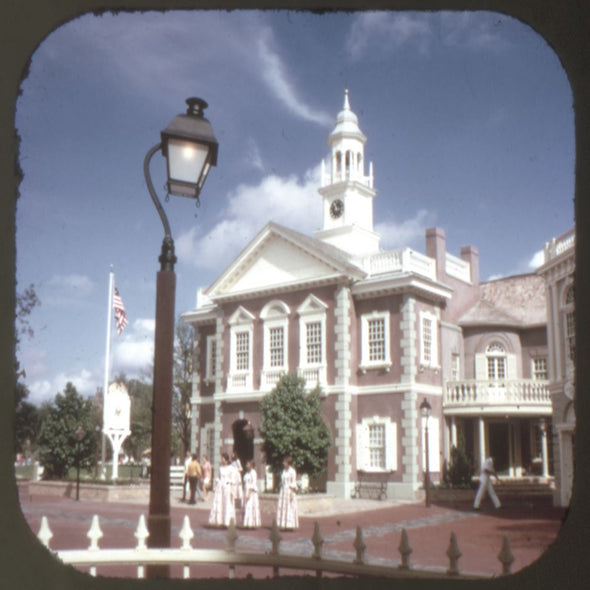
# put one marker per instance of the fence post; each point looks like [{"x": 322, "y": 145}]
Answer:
[
  {"x": 317, "y": 541},
  {"x": 186, "y": 535},
  {"x": 44, "y": 535},
  {"x": 359, "y": 545},
  {"x": 94, "y": 534},
  {"x": 453, "y": 553},
  {"x": 275, "y": 539},
  {"x": 405, "y": 551},
  {"x": 141, "y": 534},
  {"x": 506, "y": 556}
]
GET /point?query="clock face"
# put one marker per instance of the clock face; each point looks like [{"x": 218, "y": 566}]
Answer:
[{"x": 336, "y": 208}]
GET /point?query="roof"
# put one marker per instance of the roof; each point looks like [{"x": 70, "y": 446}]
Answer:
[{"x": 512, "y": 301}]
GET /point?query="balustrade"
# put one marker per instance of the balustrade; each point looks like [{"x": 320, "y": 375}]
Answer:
[
  {"x": 507, "y": 392},
  {"x": 187, "y": 556}
]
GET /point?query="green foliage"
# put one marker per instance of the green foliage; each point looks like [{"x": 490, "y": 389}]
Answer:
[
  {"x": 292, "y": 425},
  {"x": 140, "y": 394},
  {"x": 59, "y": 449},
  {"x": 460, "y": 468}
]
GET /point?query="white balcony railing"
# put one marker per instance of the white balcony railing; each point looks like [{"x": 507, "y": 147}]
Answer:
[
  {"x": 513, "y": 392},
  {"x": 559, "y": 245},
  {"x": 403, "y": 260},
  {"x": 241, "y": 381},
  {"x": 313, "y": 375},
  {"x": 270, "y": 378}
]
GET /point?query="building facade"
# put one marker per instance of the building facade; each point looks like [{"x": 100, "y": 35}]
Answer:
[
  {"x": 558, "y": 273},
  {"x": 379, "y": 331}
]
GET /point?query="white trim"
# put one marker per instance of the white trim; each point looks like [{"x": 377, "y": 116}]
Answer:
[
  {"x": 241, "y": 321},
  {"x": 210, "y": 370},
  {"x": 311, "y": 311},
  {"x": 389, "y": 444},
  {"x": 366, "y": 362},
  {"x": 275, "y": 315}
]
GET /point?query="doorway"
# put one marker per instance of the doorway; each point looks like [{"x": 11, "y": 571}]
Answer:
[{"x": 243, "y": 441}]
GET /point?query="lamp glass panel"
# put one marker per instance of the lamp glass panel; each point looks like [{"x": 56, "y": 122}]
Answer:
[{"x": 186, "y": 160}]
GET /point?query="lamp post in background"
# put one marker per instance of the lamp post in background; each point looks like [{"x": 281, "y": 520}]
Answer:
[
  {"x": 190, "y": 149},
  {"x": 425, "y": 409},
  {"x": 80, "y": 434}
]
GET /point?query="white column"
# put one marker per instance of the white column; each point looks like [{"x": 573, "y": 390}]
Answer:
[
  {"x": 453, "y": 432},
  {"x": 544, "y": 455},
  {"x": 482, "y": 441},
  {"x": 511, "y": 450}
]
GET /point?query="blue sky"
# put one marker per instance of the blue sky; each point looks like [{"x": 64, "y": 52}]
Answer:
[{"x": 469, "y": 122}]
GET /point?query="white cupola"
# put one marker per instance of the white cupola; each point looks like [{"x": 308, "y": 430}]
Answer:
[{"x": 346, "y": 191}]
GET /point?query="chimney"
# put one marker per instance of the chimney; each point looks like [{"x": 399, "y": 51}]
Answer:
[
  {"x": 470, "y": 254},
  {"x": 436, "y": 247}
]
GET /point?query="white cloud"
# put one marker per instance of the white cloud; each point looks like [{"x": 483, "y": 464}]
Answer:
[
  {"x": 66, "y": 289},
  {"x": 537, "y": 260},
  {"x": 133, "y": 351},
  {"x": 43, "y": 390},
  {"x": 405, "y": 233},
  {"x": 291, "y": 201},
  {"x": 468, "y": 30},
  {"x": 275, "y": 76},
  {"x": 385, "y": 32}
]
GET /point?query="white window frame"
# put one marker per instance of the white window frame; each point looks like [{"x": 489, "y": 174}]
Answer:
[
  {"x": 241, "y": 321},
  {"x": 536, "y": 370},
  {"x": 495, "y": 353},
  {"x": 363, "y": 455},
  {"x": 275, "y": 314},
  {"x": 211, "y": 360},
  {"x": 366, "y": 362},
  {"x": 433, "y": 360},
  {"x": 312, "y": 310},
  {"x": 455, "y": 366},
  {"x": 569, "y": 321}
]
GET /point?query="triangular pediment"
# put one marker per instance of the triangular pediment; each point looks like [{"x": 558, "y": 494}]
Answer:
[{"x": 279, "y": 257}]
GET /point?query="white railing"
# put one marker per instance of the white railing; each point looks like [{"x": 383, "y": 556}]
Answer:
[
  {"x": 458, "y": 268},
  {"x": 560, "y": 245},
  {"x": 187, "y": 556},
  {"x": 313, "y": 375},
  {"x": 270, "y": 378},
  {"x": 509, "y": 392},
  {"x": 403, "y": 260},
  {"x": 239, "y": 381}
]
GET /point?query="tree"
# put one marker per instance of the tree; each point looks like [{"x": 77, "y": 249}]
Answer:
[
  {"x": 59, "y": 449},
  {"x": 26, "y": 414},
  {"x": 183, "y": 385},
  {"x": 140, "y": 438},
  {"x": 292, "y": 425},
  {"x": 461, "y": 467}
]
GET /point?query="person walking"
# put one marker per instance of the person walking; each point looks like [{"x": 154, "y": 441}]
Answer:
[
  {"x": 485, "y": 484},
  {"x": 223, "y": 507},
  {"x": 193, "y": 472},
  {"x": 287, "y": 517},
  {"x": 185, "y": 484},
  {"x": 207, "y": 472},
  {"x": 251, "y": 503}
]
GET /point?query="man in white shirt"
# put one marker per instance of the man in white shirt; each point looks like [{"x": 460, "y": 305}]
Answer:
[{"x": 485, "y": 484}]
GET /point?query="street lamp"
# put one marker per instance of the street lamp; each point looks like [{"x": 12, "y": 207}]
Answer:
[
  {"x": 80, "y": 434},
  {"x": 425, "y": 408},
  {"x": 190, "y": 149}
]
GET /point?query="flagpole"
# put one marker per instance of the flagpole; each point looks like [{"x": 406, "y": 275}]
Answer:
[{"x": 106, "y": 370}]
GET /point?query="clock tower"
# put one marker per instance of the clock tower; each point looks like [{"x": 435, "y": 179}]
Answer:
[{"x": 346, "y": 192}]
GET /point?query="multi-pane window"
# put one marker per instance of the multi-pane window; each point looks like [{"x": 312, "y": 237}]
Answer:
[
  {"x": 276, "y": 337},
  {"x": 496, "y": 359},
  {"x": 455, "y": 366},
  {"x": 427, "y": 340},
  {"x": 242, "y": 351},
  {"x": 376, "y": 329},
  {"x": 540, "y": 368},
  {"x": 211, "y": 357},
  {"x": 377, "y": 446},
  {"x": 313, "y": 331}
]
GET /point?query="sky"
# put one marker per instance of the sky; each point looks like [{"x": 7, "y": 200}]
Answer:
[{"x": 469, "y": 122}]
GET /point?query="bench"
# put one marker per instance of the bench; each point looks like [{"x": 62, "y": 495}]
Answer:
[
  {"x": 177, "y": 476},
  {"x": 371, "y": 485}
]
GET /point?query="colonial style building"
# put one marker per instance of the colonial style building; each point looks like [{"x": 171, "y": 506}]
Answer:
[
  {"x": 379, "y": 331},
  {"x": 558, "y": 272}
]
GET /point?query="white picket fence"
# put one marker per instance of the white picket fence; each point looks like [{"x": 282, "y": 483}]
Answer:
[{"x": 187, "y": 556}]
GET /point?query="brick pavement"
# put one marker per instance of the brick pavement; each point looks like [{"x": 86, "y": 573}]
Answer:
[{"x": 530, "y": 525}]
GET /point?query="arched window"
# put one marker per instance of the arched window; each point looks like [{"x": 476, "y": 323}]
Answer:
[
  {"x": 496, "y": 361},
  {"x": 276, "y": 336}
]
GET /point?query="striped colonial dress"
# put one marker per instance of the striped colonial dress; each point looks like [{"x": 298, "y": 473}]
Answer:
[
  {"x": 287, "y": 517},
  {"x": 251, "y": 505}
]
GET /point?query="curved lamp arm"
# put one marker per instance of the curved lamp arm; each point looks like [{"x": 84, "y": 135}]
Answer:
[{"x": 167, "y": 258}]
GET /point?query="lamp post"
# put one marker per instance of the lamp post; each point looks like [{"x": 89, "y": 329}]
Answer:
[
  {"x": 190, "y": 149},
  {"x": 425, "y": 409},
  {"x": 80, "y": 434}
]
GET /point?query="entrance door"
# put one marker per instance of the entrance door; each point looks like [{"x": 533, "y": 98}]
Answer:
[
  {"x": 499, "y": 445},
  {"x": 243, "y": 442}
]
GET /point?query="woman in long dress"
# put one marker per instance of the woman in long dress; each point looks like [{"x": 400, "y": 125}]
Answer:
[
  {"x": 223, "y": 507},
  {"x": 287, "y": 517},
  {"x": 251, "y": 504}
]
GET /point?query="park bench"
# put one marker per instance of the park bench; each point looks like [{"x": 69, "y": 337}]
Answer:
[{"x": 371, "y": 484}]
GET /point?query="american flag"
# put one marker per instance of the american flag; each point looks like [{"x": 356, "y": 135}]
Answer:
[{"x": 120, "y": 314}]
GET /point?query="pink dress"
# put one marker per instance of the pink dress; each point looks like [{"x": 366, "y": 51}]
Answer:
[
  {"x": 287, "y": 517},
  {"x": 251, "y": 506},
  {"x": 223, "y": 507}
]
